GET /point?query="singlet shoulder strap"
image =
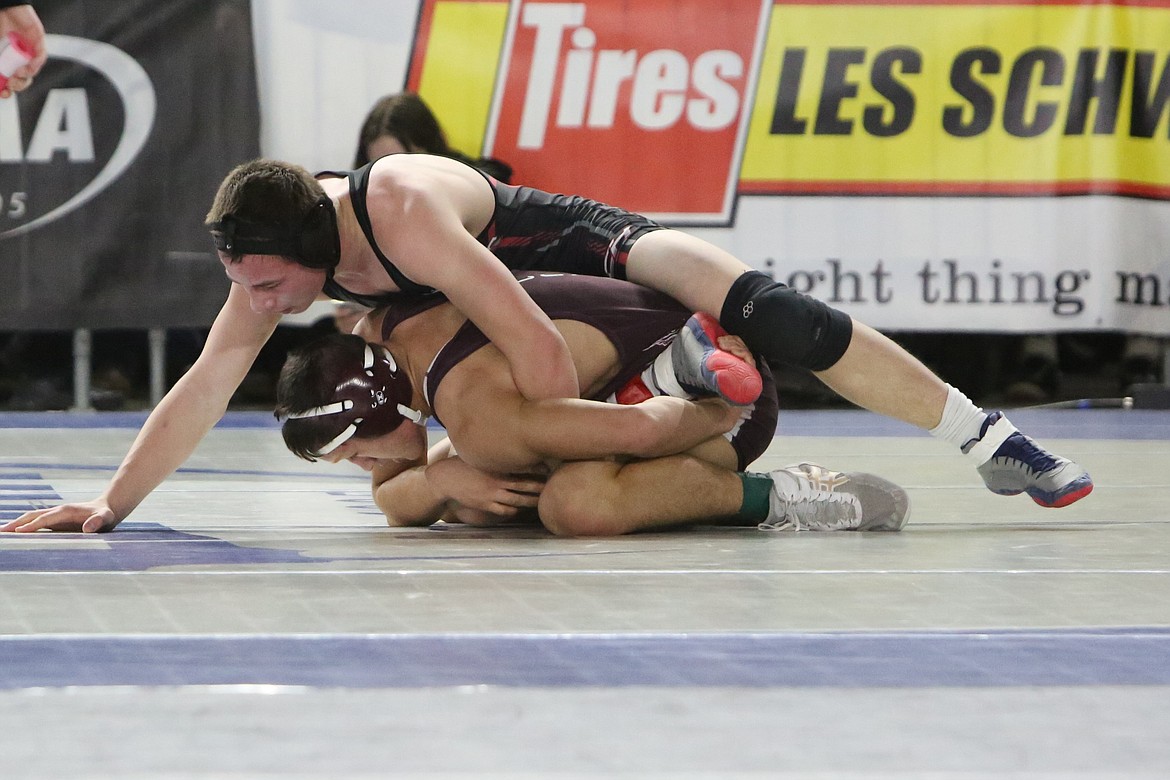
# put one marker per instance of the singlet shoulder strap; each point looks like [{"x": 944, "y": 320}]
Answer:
[
  {"x": 467, "y": 339},
  {"x": 359, "y": 182}
]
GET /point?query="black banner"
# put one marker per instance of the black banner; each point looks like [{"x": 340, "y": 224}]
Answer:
[{"x": 108, "y": 163}]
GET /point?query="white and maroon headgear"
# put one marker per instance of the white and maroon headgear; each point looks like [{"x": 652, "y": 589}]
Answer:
[{"x": 372, "y": 401}]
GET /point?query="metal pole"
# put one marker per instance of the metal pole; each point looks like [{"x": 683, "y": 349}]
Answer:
[
  {"x": 82, "y": 349},
  {"x": 1165, "y": 361},
  {"x": 157, "y": 338}
]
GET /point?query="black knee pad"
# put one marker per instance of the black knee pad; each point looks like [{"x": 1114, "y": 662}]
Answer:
[{"x": 784, "y": 325}]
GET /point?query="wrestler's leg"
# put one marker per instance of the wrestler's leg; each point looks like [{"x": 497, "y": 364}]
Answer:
[
  {"x": 694, "y": 272},
  {"x": 873, "y": 372},
  {"x": 603, "y": 498},
  {"x": 877, "y": 374},
  {"x": 857, "y": 362}
]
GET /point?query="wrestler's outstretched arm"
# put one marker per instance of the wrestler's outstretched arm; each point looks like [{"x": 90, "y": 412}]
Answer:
[{"x": 174, "y": 428}]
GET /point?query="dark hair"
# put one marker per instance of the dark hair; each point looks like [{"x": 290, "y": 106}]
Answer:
[
  {"x": 269, "y": 192},
  {"x": 409, "y": 120},
  {"x": 309, "y": 379}
]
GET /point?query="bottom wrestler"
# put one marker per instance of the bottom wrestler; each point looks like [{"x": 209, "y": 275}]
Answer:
[{"x": 662, "y": 462}]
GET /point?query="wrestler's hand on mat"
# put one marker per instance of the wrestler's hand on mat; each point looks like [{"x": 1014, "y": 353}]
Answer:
[
  {"x": 88, "y": 517},
  {"x": 496, "y": 494}
]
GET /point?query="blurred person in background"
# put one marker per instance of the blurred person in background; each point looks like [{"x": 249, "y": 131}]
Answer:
[
  {"x": 1047, "y": 367},
  {"x": 403, "y": 124}
]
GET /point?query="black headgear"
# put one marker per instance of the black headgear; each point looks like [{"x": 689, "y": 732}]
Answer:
[
  {"x": 314, "y": 243},
  {"x": 371, "y": 401}
]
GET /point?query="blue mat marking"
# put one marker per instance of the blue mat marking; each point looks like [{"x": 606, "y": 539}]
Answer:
[
  {"x": 1045, "y": 423},
  {"x": 832, "y": 660}
]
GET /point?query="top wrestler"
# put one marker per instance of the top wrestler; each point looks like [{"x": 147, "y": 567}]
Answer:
[
  {"x": 343, "y": 398},
  {"x": 412, "y": 223}
]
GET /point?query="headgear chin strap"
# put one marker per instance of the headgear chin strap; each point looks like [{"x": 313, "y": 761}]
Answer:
[
  {"x": 314, "y": 242},
  {"x": 374, "y": 400}
]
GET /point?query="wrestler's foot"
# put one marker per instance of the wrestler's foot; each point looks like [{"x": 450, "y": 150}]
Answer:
[
  {"x": 702, "y": 368},
  {"x": 1016, "y": 464},
  {"x": 810, "y": 497}
]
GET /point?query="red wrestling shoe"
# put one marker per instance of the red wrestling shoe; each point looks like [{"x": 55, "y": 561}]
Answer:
[{"x": 703, "y": 369}]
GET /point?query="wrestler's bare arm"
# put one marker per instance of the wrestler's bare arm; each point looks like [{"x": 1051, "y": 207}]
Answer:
[
  {"x": 175, "y": 427},
  {"x": 446, "y": 487},
  {"x": 402, "y": 493},
  {"x": 510, "y": 434},
  {"x": 424, "y": 233}
]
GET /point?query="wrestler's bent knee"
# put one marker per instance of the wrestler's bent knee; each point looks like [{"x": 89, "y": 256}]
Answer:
[
  {"x": 784, "y": 325},
  {"x": 575, "y": 503}
]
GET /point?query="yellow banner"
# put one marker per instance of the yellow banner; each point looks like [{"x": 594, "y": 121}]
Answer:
[
  {"x": 964, "y": 98},
  {"x": 456, "y": 69},
  {"x": 903, "y": 98}
]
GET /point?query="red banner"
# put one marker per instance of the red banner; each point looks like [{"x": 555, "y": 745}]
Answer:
[{"x": 604, "y": 94}]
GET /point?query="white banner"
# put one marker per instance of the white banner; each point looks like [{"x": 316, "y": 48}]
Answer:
[{"x": 974, "y": 264}]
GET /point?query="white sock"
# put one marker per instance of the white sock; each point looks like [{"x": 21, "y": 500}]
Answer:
[
  {"x": 961, "y": 419},
  {"x": 660, "y": 376}
]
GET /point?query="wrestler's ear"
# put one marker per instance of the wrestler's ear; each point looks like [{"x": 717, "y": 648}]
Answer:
[{"x": 320, "y": 243}]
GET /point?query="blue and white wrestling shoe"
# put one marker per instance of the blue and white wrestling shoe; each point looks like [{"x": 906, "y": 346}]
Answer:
[
  {"x": 808, "y": 497},
  {"x": 703, "y": 369},
  {"x": 1012, "y": 463}
]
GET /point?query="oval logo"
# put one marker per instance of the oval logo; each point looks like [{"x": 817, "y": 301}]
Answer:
[{"x": 64, "y": 123}]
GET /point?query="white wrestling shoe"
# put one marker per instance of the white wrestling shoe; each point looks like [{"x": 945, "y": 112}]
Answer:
[
  {"x": 810, "y": 497},
  {"x": 1015, "y": 463}
]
